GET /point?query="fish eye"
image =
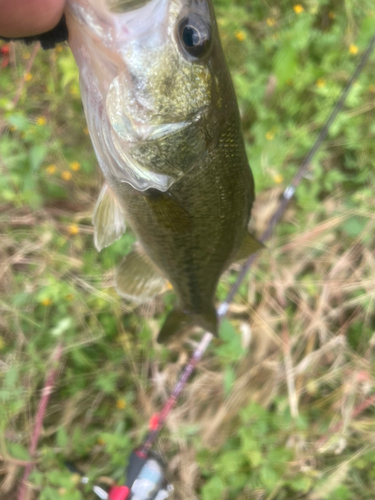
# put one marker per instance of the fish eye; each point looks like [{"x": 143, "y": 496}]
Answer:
[{"x": 194, "y": 35}]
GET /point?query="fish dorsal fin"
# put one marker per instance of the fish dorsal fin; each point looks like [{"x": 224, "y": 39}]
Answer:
[
  {"x": 108, "y": 219},
  {"x": 167, "y": 212},
  {"x": 137, "y": 279},
  {"x": 248, "y": 246}
]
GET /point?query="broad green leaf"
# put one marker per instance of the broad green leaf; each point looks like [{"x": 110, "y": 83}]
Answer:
[
  {"x": 36, "y": 156},
  {"x": 16, "y": 450}
]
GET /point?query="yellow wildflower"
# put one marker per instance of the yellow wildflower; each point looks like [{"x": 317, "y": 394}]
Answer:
[
  {"x": 66, "y": 175},
  {"x": 121, "y": 404},
  {"x": 58, "y": 48},
  {"x": 75, "y": 165},
  {"x": 298, "y": 9},
  {"x": 51, "y": 169},
  {"x": 353, "y": 49},
  {"x": 169, "y": 285},
  {"x": 371, "y": 88},
  {"x": 73, "y": 229},
  {"x": 320, "y": 83},
  {"x": 86, "y": 131},
  {"x": 46, "y": 302},
  {"x": 278, "y": 178},
  {"x": 270, "y": 135},
  {"x": 28, "y": 77},
  {"x": 240, "y": 35},
  {"x": 26, "y": 55},
  {"x": 270, "y": 21},
  {"x": 41, "y": 120}
]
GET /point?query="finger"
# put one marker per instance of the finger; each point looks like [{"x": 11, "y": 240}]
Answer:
[{"x": 20, "y": 18}]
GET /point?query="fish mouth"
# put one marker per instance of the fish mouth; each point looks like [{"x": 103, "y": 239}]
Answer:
[
  {"x": 117, "y": 21},
  {"x": 120, "y": 6}
]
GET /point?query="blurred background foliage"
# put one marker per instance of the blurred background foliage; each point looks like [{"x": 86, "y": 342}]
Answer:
[{"x": 282, "y": 407}]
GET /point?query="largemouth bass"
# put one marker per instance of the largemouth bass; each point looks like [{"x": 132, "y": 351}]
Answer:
[{"x": 163, "y": 118}]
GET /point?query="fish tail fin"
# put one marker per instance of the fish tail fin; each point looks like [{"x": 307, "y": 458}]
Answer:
[{"x": 179, "y": 321}]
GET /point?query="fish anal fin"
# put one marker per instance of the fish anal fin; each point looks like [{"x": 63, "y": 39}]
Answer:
[
  {"x": 137, "y": 279},
  {"x": 108, "y": 219},
  {"x": 248, "y": 246}
]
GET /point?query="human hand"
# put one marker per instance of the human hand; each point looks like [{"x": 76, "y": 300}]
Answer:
[{"x": 23, "y": 18}]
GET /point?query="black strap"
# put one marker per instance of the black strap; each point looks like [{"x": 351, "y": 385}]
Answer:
[{"x": 47, "y": 40}]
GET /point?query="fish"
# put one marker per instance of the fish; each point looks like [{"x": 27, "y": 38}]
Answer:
[{"x": 165, "y": 125}]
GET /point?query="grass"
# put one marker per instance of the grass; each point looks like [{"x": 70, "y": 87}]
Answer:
[{"x": 282, "y": 406}]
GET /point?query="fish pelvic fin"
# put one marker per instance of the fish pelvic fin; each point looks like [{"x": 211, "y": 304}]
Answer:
[
  {"x": 179, "y": 321},
  {"x": 137, "y": 278},
  {"x": 108, "y": 219},
  {"x": 248, "y": 246}
]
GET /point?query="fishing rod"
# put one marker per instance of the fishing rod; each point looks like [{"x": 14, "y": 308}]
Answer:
[{"x": 145, "y": 472}]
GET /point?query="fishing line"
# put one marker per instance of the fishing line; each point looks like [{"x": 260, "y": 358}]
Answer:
[{"x": 287, "y": 195}]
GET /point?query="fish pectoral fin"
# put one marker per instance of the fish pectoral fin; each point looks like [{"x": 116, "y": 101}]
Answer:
[
  {"x": 108, "y": 219},
  {"x": 167, "y": 212},
  {"x": 248, "y": 246},
  {"x": 179, "y": 321},
  {"x": 137, "y": 279}
]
